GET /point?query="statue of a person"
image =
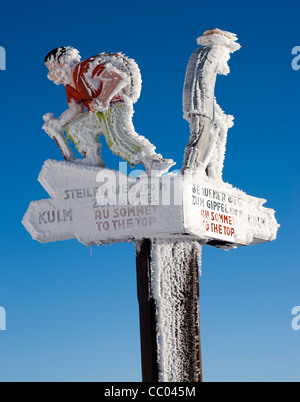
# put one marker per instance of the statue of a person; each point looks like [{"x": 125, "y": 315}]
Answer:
[
  {"x": 100, "y": 93},
  {"x": 208, "y": 123}
]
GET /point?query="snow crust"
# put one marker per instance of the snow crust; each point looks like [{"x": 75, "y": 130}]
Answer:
[
  {"x": 104, "y": 208},
  {"x": 208, "y": 202},
  {"x": 175, "y": 289},
  {"x": 128, "y": 69},
  {"x": 217, "y": 37},
  {"x": 98, "y": 206},
  {"x": 208, "y": 123}
]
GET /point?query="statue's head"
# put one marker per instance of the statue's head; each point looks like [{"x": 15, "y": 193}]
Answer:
[
  {"x": 61, "y": 62},
  {"x": 224, "y": 43}
]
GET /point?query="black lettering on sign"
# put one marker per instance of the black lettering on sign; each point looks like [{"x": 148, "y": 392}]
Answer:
[{"x": 55, "y": 216}]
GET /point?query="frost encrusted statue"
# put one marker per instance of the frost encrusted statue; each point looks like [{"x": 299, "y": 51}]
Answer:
[
  {"x": 205, "y": 151},
  {"x": 100, "y": 93}
]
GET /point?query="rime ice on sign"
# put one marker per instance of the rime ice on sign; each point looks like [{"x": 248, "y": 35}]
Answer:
[
  {"x": 175, "y": 213},
  {"x": 99, "y": 206},
  {"x": 102, "y": 206},
  {"x": 223, "y": 215}
]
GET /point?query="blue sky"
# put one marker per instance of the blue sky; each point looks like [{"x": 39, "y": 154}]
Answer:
[{"x": 72, "y": 312}]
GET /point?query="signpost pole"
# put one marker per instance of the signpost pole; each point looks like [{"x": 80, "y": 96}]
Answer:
[{"x": 168, "y": 293}]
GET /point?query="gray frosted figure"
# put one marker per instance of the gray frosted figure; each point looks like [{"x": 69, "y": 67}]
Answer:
[{"x": 208, "y": 123}]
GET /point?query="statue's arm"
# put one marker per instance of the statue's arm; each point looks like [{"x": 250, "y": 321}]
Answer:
[
  {"x": 53, "y": 125},
  {"x": 221, "y": 118},
  {"x": 75, "y": 109}
]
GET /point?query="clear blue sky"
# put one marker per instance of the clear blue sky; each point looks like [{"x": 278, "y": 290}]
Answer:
[{"x": 72, "y": 313}]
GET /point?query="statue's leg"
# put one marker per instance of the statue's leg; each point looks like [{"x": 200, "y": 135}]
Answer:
[
  {"x": 199, "y": 146},
  {"x": 221, "y": 151},
  {"x": 216, "y": 164},
  {"x": 120, "y": 134},
  {"x": 125, "y": 142},
  {"x": 84, "y": 132}
]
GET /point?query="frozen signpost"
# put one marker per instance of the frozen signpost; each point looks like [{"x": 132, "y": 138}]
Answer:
[{"x": 169, "y": 216}]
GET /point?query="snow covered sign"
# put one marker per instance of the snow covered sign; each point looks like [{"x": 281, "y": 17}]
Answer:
[
  {"x": 168, "y": 215},
  {"x": 99, "y": 206},
  {"x": 223, "y": 216}
]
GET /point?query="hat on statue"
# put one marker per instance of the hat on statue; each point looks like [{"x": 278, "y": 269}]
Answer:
[{"x": 215, "y": 37}]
